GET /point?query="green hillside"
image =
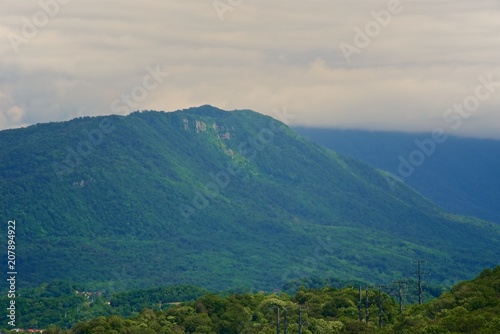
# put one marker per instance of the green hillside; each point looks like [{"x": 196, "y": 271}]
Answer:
[
  {"x": 460, "y": 174},
  {"x": 470, "y": 307},
  {"x": 219, "y": 200}
]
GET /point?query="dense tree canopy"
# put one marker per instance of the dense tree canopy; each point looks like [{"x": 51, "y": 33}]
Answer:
[{"x": 469, "y": 307}]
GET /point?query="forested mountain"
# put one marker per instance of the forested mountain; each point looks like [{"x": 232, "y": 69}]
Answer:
[
  {"x": 459, "y": 174},
  {"x": 219, "y": 200}
]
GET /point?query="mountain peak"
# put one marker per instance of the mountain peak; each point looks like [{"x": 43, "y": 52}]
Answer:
[{"x": 206, "y": 110}]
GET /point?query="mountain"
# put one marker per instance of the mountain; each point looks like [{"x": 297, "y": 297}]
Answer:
[
  {"x": 459, "y": 174},
  {"x": 219, "y": 200}
]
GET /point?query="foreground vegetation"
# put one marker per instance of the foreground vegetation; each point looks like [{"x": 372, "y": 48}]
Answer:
[
  {"x": 469, "y": 307},
  {"x": 64, "y": 304}
]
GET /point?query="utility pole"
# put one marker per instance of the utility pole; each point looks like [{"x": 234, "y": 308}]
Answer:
[
  {"x": 380, "y": 311},
  {"x": 285, "y": 322},
  {"x": 277, "y": 319},
  {"x": 400, "y": 294},
  {"x": 420, "y": 273},
  {"x": 300, "y": 320},
  {"x": 360, "y": 305},
  {"x": 367, "y": 305}
]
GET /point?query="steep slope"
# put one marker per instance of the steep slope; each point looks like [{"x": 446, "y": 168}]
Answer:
[
  {"x": 461, "y": 174},
  {"x": 216, "y": 199}
]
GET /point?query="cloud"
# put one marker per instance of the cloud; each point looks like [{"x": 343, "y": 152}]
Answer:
[{"x": 265, "y": 54}]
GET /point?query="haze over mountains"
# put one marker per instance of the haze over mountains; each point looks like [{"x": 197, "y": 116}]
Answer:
[
  {"x": 460, "y": 174},
  {"x": 220, "y": 200}
]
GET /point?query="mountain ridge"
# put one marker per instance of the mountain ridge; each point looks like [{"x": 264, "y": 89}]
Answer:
[
  {"x": 116, "y": 217},
  {"x": 458, "y": 174}
]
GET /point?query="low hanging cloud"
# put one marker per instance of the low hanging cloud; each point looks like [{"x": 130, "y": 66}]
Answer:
[{"x": 413, "y": 59}]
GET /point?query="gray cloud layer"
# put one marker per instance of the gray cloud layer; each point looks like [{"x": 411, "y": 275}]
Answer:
[{"x": 418, "y": 62}]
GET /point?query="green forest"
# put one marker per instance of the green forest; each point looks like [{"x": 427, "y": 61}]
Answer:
[
  {"x": 469, "y": 307},
  {"x": 448, "y": 172},
  {"x": 120, "y": 203}
]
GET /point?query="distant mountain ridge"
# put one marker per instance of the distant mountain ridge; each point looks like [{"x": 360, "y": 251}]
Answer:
[
  {"x": 219, "y": 200},
  {"x": 459, "y": 174}
]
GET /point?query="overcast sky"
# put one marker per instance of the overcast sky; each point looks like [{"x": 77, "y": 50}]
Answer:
[{"x": 72, "y": 58}]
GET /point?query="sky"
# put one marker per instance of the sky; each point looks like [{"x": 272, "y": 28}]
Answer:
[{"x": 397, "y": 65}]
